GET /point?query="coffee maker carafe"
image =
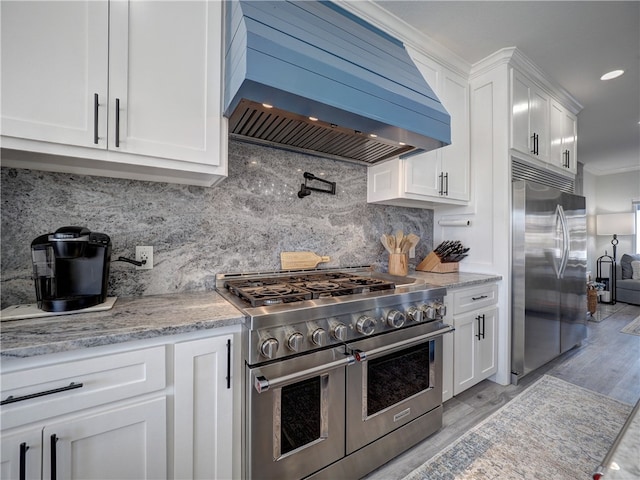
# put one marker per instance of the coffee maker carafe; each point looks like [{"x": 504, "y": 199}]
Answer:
[{"x": 71, "y": 268}]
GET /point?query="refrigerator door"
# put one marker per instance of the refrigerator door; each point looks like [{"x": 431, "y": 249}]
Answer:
[
  {"x": 573, "y": 305},
  {"x": 537, "y": 262}
]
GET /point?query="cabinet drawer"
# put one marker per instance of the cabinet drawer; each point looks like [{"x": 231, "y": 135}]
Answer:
[
  {"x": 469, "y": 299},
  {"x": 51, "y": 390}
]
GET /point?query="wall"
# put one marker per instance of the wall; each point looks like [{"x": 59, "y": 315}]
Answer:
[
  {"x": 241, "y": 225},
  {"x": 609, "y": 194}
]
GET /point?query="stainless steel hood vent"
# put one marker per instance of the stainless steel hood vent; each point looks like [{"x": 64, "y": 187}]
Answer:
[{"x": 309, "y": 76}]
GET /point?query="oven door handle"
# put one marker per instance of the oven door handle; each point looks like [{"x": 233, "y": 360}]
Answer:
[
  {"x": 362, "y": 356},
  {"x": 262, "y": 384}
]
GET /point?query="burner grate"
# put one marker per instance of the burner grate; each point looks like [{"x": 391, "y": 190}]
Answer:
[{"x": 295, "y": 288}]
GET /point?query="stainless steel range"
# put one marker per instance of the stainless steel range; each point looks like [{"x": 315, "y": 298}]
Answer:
[{"x": 343, "y": 369}]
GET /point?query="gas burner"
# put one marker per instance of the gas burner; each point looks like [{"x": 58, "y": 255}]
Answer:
[
  {"x": 265, "y": 290},
  {"x": 270, "y": 291}
]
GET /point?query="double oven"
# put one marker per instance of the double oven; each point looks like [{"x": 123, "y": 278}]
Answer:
[{"x": 341, "y": 375}]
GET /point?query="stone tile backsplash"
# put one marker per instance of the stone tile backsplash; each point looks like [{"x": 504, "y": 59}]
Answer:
[{"x": 242, "y": 224}]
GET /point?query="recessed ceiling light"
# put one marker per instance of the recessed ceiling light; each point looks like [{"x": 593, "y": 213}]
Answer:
[
  {"x": 267, "y": 105},
  {"x": 373, "y": 135},
  {"x": 612, "y": 74},
  {"x": 313, "y": 119}
]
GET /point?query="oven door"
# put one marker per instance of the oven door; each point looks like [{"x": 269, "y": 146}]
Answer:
[
  {"x": 295, "y": 411},
  {"x": 397, "y": 379}
]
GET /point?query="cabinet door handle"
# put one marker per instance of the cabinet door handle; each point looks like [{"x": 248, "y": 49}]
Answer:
[
  {"x": 446, "y": 179},
  {"x": 441, "y": 181},
  {"x": 228, "y": 364},
  {"x": 95, "y": 118},
  {"x": 23, "y": 460},
  {"x": 483, "y": 325},
  {"x": 54, "y": 440},
  {"x": 117, "y": 122},
  {"x": 12, "y": 399},
  {"x": 477, "y": 335},
  {"x": 533, "y": 143}
]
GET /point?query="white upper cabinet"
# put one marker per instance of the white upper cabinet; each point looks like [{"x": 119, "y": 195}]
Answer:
[
  {"x": 542, "y": 128},
  {"x": 134, "y": 89},
  {"x": 437, "y": 177},
  {"x": 530, "y": 118}
]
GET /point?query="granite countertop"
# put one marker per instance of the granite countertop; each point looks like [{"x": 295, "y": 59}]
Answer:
[
  {"x": 138, "y": 318},
  {"x": 130, "y": 319},
  {"x": 455, "y": 280}
]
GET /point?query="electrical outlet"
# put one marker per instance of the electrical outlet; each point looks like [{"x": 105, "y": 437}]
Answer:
[{"x": 144, "y": 254}]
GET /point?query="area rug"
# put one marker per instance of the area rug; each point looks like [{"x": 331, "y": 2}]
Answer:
[
  {"x": 633, "y": 328},
  {"x": 553, "y": 429}
]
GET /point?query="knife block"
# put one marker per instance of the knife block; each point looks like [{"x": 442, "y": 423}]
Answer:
[{"x": 432, "y": 263}]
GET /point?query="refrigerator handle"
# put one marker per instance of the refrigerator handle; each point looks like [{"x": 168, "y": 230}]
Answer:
[{"x": 566, "y": 241}]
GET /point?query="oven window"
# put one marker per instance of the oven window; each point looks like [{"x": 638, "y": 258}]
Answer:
[
  {"x": 396, "y": 377},
  {"x": 300, "y": 415}
]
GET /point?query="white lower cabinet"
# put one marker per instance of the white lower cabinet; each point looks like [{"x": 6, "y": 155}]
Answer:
[
  {"x": 203, "y": 406},
  {"x": 119, "y": 412},
  {"x": 474, "y": 347},
  {"x": 470, "y": 353},
  {"x": 92, "y": 417}
]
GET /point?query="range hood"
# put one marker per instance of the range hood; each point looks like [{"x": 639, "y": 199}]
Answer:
[{"x": 310, "y": 76}]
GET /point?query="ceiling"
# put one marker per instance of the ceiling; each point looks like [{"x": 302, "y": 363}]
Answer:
[{"x": 574, "y": 43}]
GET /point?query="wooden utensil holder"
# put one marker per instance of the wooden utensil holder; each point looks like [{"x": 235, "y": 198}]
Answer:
[
  {"x": 399, "y": 264},
  {"x": 432, "y": 263}
]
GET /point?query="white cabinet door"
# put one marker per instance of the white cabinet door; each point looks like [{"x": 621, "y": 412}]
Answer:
[
  {"x": 520, "y": 114},
  {"x": 487, "y": 348},
  {"x": 20, "y": 454},
  {"x": 165, "y": 73},
  {"x": 203, "y": 403},
  {"x": 128, "y": 442},
  {"x": 529, "y": 118},
  {"x": 569, "y": 135},
  {"x": 539, "y": 122},
  {"x": 465, "y": 345},
  {"x": 556, "y": 123},
  {"x": 54, "y": 63},
  {"x": 563, "y": 138}
]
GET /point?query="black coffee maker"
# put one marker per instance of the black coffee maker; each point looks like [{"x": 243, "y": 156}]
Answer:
[{"x": 71, "y": 269}]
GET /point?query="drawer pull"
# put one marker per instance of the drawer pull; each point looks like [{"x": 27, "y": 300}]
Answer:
[
  {"x": 480, "y": 297},
  {"x": 12, "y": 399}
]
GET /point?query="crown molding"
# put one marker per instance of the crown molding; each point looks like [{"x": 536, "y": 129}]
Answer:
[
  {"x": 513, "y": 57},
  {"x": 394, "y": 26}
]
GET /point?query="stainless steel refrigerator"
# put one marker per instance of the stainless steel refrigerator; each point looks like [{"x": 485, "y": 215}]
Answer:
[{"x": 549, "y": 305}]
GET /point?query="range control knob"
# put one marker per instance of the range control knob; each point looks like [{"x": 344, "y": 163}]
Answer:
[
  {"x": 415, "y": 314},
  {"x": 365, "y": 325},
  {"x": 269, "y": 347},
  {"x": 395, "y": 319},
  {"x": 294, "y": 342},
  {"x": 429, "y": 311},
  {"x": 339, "y": 332},
  {"x": 319, "y": 337},
  {"x": 441, "y": 309}
]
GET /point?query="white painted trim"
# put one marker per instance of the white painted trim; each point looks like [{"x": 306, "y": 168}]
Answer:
[{"x": 394, "y": 26}]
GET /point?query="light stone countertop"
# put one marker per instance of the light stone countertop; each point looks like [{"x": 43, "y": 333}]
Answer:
[
  {"x": 134, "y": 318},
  {"x": 138, "y": 318},
  {"x": 455, "y": 280}
]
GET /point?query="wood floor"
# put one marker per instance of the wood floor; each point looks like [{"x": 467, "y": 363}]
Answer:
[{"x": 607, "y": 362}]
